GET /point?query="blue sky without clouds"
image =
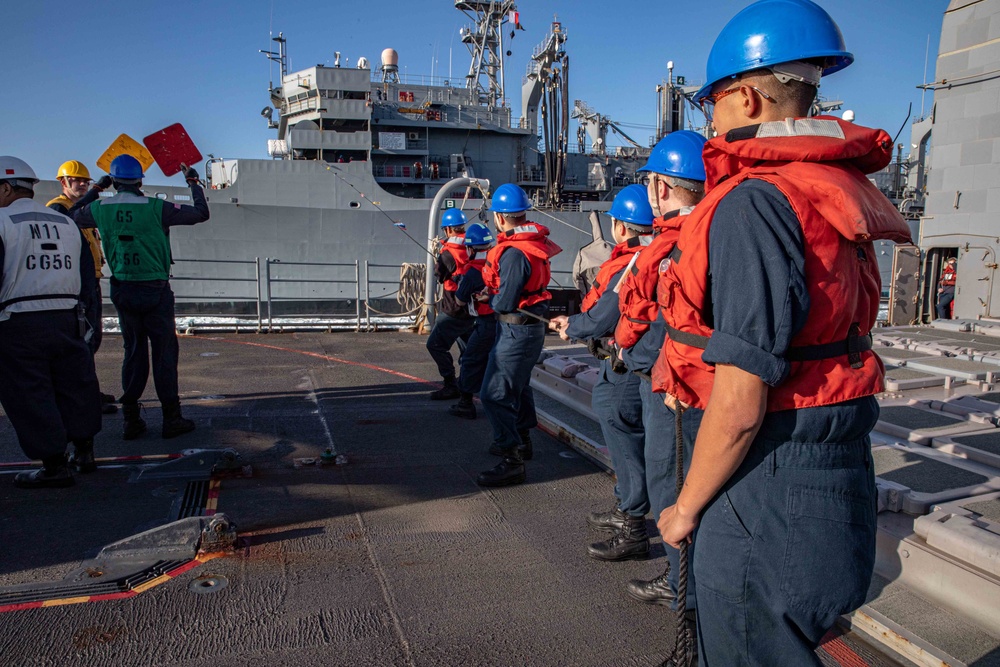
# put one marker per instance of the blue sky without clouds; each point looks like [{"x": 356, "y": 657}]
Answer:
[{"x": 78, "y": 74}]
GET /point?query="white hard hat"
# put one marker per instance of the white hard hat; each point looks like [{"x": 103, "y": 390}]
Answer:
[{"x": 17, "y": 171}]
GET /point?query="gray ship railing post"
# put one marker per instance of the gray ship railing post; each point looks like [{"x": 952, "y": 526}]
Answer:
[
  {"x": 267, "y": 285},
  {"x": 357, "y": 295},
  {"x": 256, "y": 261},
  {"x": 368, "y": 298},
  {"x": 432, "y": 231}
]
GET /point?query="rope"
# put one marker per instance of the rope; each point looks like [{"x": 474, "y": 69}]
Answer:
[
  {"x": 412, "y": 278},
  {"x": 680, "y": 655},
  {"x": 410, "y": 294}
]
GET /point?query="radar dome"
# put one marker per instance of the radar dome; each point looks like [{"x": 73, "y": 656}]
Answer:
[
  {"x": 848, "y": 116},
  {"x": 362, "y": 63},
  {"x": 390, "y": 57}
]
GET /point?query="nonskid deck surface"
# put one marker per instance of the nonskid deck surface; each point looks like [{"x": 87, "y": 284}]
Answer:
[{"x": 396, "y": 558}]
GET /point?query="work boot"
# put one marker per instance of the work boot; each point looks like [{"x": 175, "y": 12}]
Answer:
[
  {"x": 525, "y": 449},
  {"x": 133, "y": 426},
  {"x": 54, "y": 474},
  {"x": 465, "y": 408},
  {"x": 654, "y": 591},
  {"x": 108, "y": 406},
  {"x": 508, "y": 472},
  {"x": 173, "y": 423},
  {"x": 82, "y": 458},
  {"x": 609, "y": 521},
  {"x": 447, "y": 392},
  {"x": 630, "y": 542}
]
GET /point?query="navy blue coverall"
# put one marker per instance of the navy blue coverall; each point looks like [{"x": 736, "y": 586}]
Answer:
[
  {"x": 49, "y": 388},
  {"x": 660, "y": 451},
  {"x": 789, "y": 541},
  {"x": 481, "y": 340},
  {"x": 617, "y": 403},
  {"x": 506, "y": 393},
  {"x": 146, "y": 308},
  {"x": 453, "y": 322}
]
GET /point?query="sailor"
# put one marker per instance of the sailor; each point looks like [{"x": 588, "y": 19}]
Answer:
[
  {"x": 478, "y": 241},
  {"x": 75, "y": 178},
  {"x": 517, "y": 273},
  {"x": 770, "y": 296},
  {"x": 946, "y": 289},
  {"x": 676, "y": 176},
  {"x": 136, "y": 234},
  {"x": 615, "y": 397},
  {"x": 49, "y": 388},
  {"x": 453, "y": 322}
]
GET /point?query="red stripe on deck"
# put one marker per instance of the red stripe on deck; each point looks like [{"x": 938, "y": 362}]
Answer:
[
  {"x": 20, "y": 607},
  {"x": 841, "y": 652},
  {"x": 328, "y": 358}
]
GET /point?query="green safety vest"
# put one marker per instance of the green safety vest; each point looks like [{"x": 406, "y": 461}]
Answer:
[{"x": 134, "y": 241}]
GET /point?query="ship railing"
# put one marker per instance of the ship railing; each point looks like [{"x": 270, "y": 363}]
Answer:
[
  {"x": 238, "y": 282},
  {"x": 326, "y": 285},
  {"x": 267, "y": 295}
]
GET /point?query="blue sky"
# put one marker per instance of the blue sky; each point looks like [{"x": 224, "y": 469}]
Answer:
[{"x": 78, "y": 74}]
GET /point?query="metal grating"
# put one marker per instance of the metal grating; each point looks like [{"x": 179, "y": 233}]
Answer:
[
  {"x": 914, "y": 419},
  {"x": 900, "y": 353},
  {"x": 989, "y": 509},
  {"x": 987, "y": 442},
  {"x": 920, "y": 473}
]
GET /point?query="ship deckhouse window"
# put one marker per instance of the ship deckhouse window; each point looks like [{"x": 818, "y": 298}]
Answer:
[{"x": 355, "y": 204}]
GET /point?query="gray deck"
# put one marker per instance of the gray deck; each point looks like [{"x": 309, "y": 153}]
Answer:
[{"x": 397, "y": 558}]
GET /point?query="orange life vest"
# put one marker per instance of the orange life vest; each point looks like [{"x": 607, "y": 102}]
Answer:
[
  {"x": 948, "y": 276},
  {"x": 637, "y": 292},
  {"x": 819, "y": 165},
  {"x": 531, "y": 239},
  {"x": 621, "y": 256},
  {"x": 455, "y": 246},
  {"x": 481, "y": 307}
]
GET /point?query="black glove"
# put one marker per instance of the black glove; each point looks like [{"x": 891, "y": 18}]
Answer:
[
  {"x": 104, "y": 183},
  {"x": 191, "y": 175}
]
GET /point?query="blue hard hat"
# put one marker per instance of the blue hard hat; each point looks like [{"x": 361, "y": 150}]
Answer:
[
  {"x": 632, "y": 206},
  {"x": 509, "y": 198},
  {"x": 453, "y": 217},
  {"x": 478, "y": 234},
  {"x": 126, "y": 167},
  {"x": 678, "y": 154},
  {"x": 771, "y": 32}
]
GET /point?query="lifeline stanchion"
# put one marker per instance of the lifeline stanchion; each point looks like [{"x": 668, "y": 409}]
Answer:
[{"x": 680, "y": 655}]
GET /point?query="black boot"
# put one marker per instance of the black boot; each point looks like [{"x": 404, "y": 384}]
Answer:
[
  {"x": 610, "y": 521},
  {"x": 465, "y": 408},
  {"x": 654, "y": 591},
  {"x": 629, "y": 542},
  {"x": 508, "y": 472},
  {"x": 133, "y": 426},
  {"x": 447, "y": 392},
  {"x": 54, "y": 474},
  {"x": 82, "y": 458},
  {"x": 525, "y": 449},
  {"x": 173, "y": 423},
  {"x": 108, "y": 406}
]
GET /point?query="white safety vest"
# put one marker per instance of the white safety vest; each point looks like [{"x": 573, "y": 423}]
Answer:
[{"x": 41, "y": 268}]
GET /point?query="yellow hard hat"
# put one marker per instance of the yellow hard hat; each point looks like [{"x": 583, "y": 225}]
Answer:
[{"x": 74, "y": 169}]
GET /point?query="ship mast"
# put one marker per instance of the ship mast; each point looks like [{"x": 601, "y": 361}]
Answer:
[{"x": 485, "y": 79}]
